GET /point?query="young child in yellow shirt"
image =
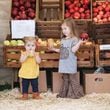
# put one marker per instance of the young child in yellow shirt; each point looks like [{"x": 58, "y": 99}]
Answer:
[{"x": 29, "y": 70}]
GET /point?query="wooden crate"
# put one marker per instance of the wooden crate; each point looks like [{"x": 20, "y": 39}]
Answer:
[
  {"x": 49, "y": 59},
  {"x": 103, "y": 41},
  {"x": 86, "y": 56},
  {"x": 12, "y": 55},
  {"x": 48, "y": 29},
  {"x": 67, "y": 8},
  {"x": 84, "y": 26},
  {"x": 42, "y": 83},
  {"x": 102, "y": 57},
  {"x": 19, "y": 6},
  {"x": 101, "y": 31},
  {"x": 49, "y": 10}
]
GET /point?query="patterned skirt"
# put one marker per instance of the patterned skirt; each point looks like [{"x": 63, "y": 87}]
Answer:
[{"x": 71, "y": 87}]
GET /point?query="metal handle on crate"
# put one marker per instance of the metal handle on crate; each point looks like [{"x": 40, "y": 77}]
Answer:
[{"x": 98, "y": 79}]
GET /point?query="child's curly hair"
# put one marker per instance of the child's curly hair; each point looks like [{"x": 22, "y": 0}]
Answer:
[{"x": 29, "y": 38}]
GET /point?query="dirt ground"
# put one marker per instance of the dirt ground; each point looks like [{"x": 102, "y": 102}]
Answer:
[{"x": 9, "y": 101}]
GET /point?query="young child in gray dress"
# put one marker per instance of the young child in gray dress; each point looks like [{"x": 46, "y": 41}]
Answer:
[{"x": 70, "y": 43}]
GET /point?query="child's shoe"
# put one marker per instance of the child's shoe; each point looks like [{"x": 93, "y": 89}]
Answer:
[
  {"x": 24, "y": 97},
  {"x": 36, "y": 96}
]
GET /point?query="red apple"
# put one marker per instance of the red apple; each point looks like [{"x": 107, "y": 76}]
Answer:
[
  {"x": 32, "y": 15},
  {"x": 82, "y": 15},
  {"x": 71, "y": 10},
  {"x": 100, "y": 8},
  {"x": 94, "y": 4},
  {"x": 104, "y": 20},
  {"x": 15, "y": 4},
  {"x": 76, "y": 8},
  {"x": 76, "y": 2},
  {"x": 103, "y": 5},
  {"x": 71, "y": 6},
  {"x": 101, "y": 13},
  {"x": 95, "y": 19},
  {"x": 21, "y": 2},
  {"x": 87, "y": 16},
  {"x": 107, "y": 8},
  {"x": 84, "y": 36},
  {"x": 95, "y": 10},
  {"x": 67, "y": 3},
  {"x": 109, "y": 19},
  {"x": 17, "y": 18},
  {"x": 23, "y": 15},
  {"x": 86, "y": 2},
  {"x": 67, "y": 14},
  {"x": 76, "y": 15},
  {"x": 81, "y": 10},
  {"x": 94, "y": 14},
  {"x": 14, "y": 12},
  {"x": 22, "y": 8},
  {"x": 27, "y": 4}
]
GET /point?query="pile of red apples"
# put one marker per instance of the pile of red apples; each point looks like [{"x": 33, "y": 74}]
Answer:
[
  {"x": 101, "y": 12},
  {"x": 78, "y": 9},
  {"x": 23, "y": 9}
]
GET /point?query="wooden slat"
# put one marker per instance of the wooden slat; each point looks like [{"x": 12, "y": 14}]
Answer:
[{"x": 48, "y": 56}]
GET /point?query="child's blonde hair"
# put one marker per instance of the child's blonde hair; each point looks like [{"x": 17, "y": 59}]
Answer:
[
  {"x": 72, "y": 25},
  {"x": 29, "y": 38}
]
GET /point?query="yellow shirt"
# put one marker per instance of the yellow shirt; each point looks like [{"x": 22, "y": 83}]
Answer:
[{"x": 29, "y": 69}]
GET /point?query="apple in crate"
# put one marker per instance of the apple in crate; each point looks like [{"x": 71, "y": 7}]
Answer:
[
  {"x": 14, "y": 61},
  {"x": 84, "y": 36},
  {"x": 20, "y": 43},
  {"x": 13, "y": 42},
  {"x": 9, "y": 60},
  {"x": 6, "y": 42}
]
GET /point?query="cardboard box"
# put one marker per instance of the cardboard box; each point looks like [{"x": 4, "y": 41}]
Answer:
[
  {"x": 42, "y": 83},
  {"x": 98, "y": 83},
  {"x": 57, "y": 81}
]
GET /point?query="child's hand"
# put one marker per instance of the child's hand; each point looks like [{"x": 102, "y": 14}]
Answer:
[
  {"x": 30, "y": 53},
  {"x": 83, "y": 41},
  {"x": 50, "y": 48},
  {"x": 37, "y": 57}
]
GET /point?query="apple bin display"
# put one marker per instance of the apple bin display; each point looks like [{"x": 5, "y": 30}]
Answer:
[
  {"x": 50, "y": 59},
  {"x": 101, "y": 11},
  {"x": 78, "y": 9},
  {"x": 23, "y": 9}
]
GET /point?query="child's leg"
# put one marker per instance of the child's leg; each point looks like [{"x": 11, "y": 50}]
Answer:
[
  {"x": 34, "y": 84},
  {"x": 75, "y": 90},
  {"x": 25, "y": 86},
  {"x": 64, "y": 88}
]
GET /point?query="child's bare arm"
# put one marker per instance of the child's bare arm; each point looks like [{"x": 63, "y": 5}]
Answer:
[
  {"x": 76, "y": 47},
  {"x": 37, "y": 57},
  {"x": 23, "y": 57},
  {"x": 54, "y": 49}
]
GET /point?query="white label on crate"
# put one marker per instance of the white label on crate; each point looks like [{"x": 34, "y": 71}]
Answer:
[
  {"x": 105, "y": 47},
  {"x": 21, "y": 28}
]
